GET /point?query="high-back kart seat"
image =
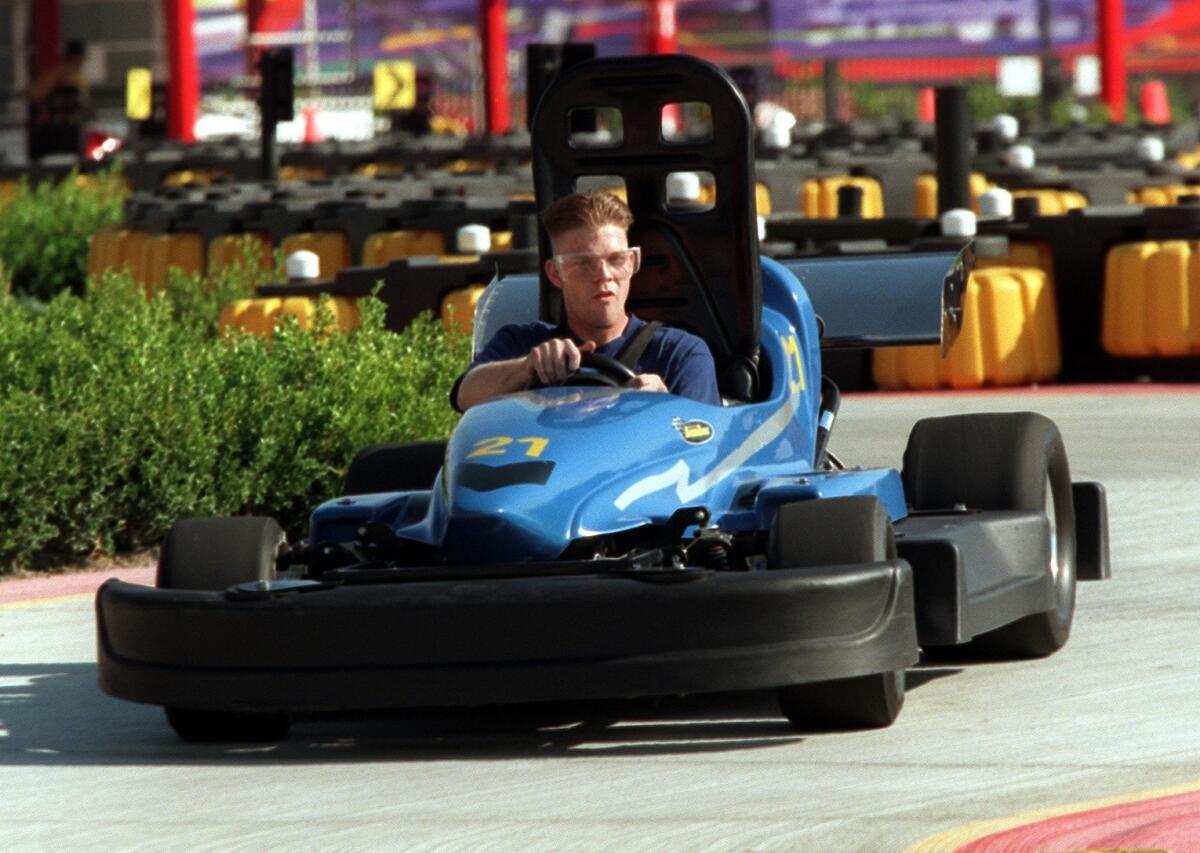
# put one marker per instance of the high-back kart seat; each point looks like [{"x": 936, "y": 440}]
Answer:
[{"x": 700, "y": 267}]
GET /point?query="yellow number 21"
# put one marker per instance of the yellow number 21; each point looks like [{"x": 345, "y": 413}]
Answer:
[{"x": 498, "y": 446}]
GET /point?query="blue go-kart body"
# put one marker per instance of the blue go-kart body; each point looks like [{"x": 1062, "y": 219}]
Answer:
[
  {"x": 584, "y": 542},
  {"x": 530, "y": 474}
]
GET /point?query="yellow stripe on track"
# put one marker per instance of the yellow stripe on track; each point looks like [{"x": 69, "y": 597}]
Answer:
[
  {"x": 952, "y": 839},
  {"x": 37, "y": 602}
]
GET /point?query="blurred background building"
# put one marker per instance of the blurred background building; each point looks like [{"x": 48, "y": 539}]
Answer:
[{"x": 882, "y": 51}]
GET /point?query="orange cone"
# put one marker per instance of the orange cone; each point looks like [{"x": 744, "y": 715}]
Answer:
[
  {"x": 925, "y": 105},
  {"x": 1156, "y": 107},
  {"x": 312, "y": 133}
]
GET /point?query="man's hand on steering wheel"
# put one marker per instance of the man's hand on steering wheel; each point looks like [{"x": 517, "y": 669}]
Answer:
[
  {"x": 560, "y": 361},
  {"x": 551, "y": 362}
]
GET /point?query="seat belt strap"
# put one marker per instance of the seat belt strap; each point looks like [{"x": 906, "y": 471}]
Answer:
[{"x": 636, "y": 345}]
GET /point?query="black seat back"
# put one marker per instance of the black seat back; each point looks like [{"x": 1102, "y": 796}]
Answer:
[{"x": 700, "y": 268}]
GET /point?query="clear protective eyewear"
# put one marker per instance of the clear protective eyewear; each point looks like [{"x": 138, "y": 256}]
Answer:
[{"x": 622, "y": 264}]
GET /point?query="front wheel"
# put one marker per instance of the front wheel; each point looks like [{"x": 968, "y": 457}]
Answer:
[
  {"x": 213, "y": 554},
  {"x": 865, "y": 702},
  {"x": 1013, "y": 460},
  {"x": 830, "y": 532}
]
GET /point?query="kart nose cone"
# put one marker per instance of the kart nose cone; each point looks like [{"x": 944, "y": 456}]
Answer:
[{"x": 498, "y": 538}]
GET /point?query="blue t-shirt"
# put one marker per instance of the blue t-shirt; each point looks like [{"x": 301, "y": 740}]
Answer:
[{"x": 682, "y": 360}]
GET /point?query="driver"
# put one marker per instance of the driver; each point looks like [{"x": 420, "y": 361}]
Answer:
[{"x": 592, "y": 265}]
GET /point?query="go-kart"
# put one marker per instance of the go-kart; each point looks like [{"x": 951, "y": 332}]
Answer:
[{"x": 592, "y": 541}]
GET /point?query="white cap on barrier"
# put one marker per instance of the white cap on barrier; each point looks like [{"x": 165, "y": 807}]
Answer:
[
  {"x": 996, "y": 202},
  {"x": 683, "y": 186},
  {"x": 958, "y": 222},
  {"x": 1151, "y": 149},
  {"x": 303, "y": 266},
  {"x": 473, "y": 239},
  {"x": 776, "y": 136},
  {"x": 1020, "y": 157},
  {"x": 1006, "y": 126},
  {"x": 762, "y": 228}
]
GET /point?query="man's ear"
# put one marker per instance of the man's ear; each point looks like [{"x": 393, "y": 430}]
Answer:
[{"x": 552, "y": 274}]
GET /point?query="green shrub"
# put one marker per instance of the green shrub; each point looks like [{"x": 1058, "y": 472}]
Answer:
[
  {"x": 119, "y": 414},
  {"x": 44, "y": 231}
]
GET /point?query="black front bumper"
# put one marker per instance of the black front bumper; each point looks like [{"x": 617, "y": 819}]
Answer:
[{"x": 464, "y": 642}]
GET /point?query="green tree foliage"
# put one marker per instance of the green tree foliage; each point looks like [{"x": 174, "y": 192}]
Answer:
[
  {"x": 44, "y": 231},
  {"x": 119, "y": 414}
]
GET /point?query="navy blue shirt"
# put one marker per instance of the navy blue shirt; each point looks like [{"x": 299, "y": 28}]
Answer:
[{"x": 682, "y": 360}]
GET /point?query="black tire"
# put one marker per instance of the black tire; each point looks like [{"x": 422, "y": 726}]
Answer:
[
  {"x": 1013, "y": 460},
  {"x": 829, "y": 532},
  {"x": 226, "y": 726},
  {"x": 215, "y": 553},
  {"x": 394, "y": 468},
  {"x": 212, "y": 554}
]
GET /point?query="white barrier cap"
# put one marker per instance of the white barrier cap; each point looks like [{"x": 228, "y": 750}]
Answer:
[
  {"x": 1151, "y": 149},
  {"x": 683, "y": 186},
  {"x": 959, "y": 222},
  {"x": 996, "y": 202},
  {"x": 776, "y": 136},
  {"x": 1020, "y": 157},
  {"x": 473, "y": 239},
  {"x": 303, "y": 266},
  {"x": 1006, "y": 126},
  {"x": 762, "y": 228}
]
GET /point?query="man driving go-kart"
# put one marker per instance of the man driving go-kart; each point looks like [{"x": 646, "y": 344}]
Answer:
[{"x": 592, "y": 265}]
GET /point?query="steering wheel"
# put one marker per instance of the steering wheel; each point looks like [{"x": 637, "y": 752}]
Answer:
[{"x": 598, "y": 369}]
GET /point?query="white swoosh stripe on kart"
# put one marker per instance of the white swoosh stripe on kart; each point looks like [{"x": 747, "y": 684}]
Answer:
[{"x": 677, "y": 475}]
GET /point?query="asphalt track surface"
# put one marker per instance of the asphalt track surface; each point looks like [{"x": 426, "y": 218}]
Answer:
[{"x": 1041, "y": 750}]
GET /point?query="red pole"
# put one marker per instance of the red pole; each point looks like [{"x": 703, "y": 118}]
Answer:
[
  {"x": 660, "y": 30},
  {"x": 47, "y": 24},
  {"x": 494, "y": 14},
  {"x": 254, "y": 23},
  {"x": 1110, "y": 16},
  {"x": 183, "y": 83}
]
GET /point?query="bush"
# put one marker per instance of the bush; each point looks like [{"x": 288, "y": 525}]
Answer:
[
  {"x": 44, "y": 231},
  {"x": 120, "y": 414}
]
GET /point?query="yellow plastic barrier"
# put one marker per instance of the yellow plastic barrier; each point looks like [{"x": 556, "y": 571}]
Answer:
[
  {"x": 458, "y": 309},
  {"x": 1022, "y": 254},
  {"x": 1161, "y": 196},
  {"x": 300, "y": 173},
  {"x": 230, "y": 250},
  {"x": 256, "y": 316},
  {"x": 1152, "y": 299},
  {"x": 9, "y": 190},
  {"x": 133, "y": 254},
  {"x": 1053, "y": 202},
  {"x": 200, "y": 177},
  {"x": 925, "y": 193},
  {"x": 259, "y": 316},
  {"x": 104, "y": 249},
  {"x": 1009, "y": 336},
  {"x": 818, "y": 197},
  {"x": 163, "y": 252},
  {"x": 304, "y": 309},
  {"x": 463, "y": 166},
  {"x": 385, "y": 246},
  {"x": 1188, "y": 159},
  {"x": 762, "y": 199},
  {"x": 372, "y": 170},
  {"x": 332, "y": 247}
]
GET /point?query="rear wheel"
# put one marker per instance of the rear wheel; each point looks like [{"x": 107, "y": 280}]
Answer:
[
  {"x": 830, "y": 532},
  {"x": 1013, "y": 460},
  {"x": 212, "y": 554}
]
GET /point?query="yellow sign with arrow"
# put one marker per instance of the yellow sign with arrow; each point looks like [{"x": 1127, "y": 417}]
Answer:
[{"x": 395, "y": 85}]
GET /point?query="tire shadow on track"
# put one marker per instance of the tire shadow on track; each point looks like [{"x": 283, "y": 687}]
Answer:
[{"x": 55, "y": 715}]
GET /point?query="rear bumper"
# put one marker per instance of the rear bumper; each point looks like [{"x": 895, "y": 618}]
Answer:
[{"x": 511, "y": 640}]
